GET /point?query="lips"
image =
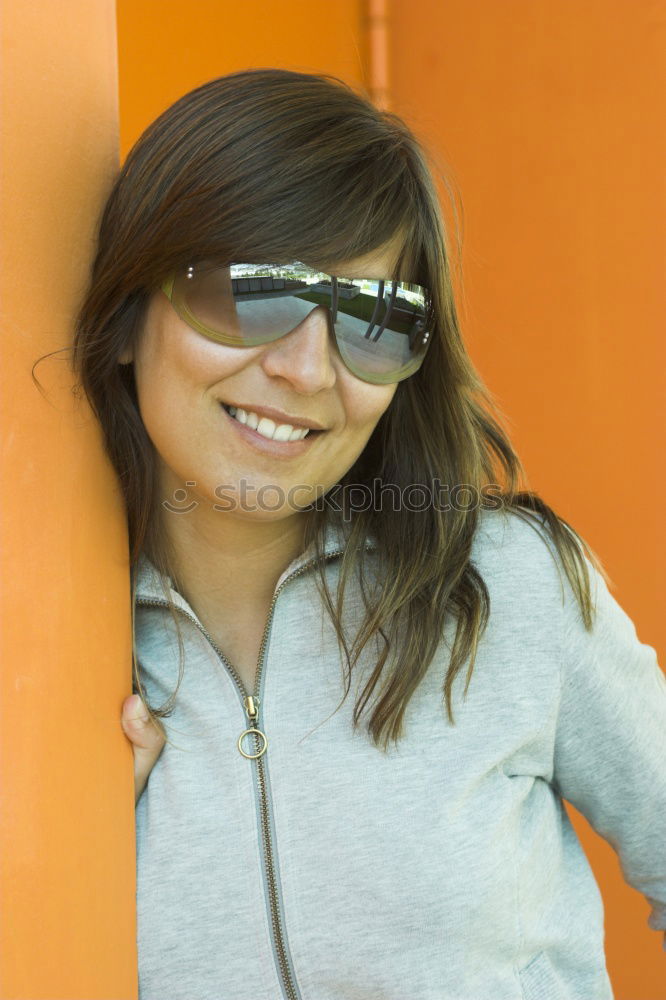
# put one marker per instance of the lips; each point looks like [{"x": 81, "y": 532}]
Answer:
[
  {"x": 300, "y": 432},
  {"x": 269, "y": 446},
  {"x": 277, "y": 416}
]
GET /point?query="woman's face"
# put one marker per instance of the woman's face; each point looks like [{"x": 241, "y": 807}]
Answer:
[{"x": 183, "y": 379}]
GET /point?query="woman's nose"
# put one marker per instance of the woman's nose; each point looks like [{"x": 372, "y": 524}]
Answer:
[{"x": 305, "y": 354}]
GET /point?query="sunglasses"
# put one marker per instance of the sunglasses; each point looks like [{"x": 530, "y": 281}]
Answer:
[{"x": 379, "y": 325}]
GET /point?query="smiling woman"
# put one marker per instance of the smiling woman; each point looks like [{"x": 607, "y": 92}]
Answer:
[
  {"x": 319, "y": 490},
  {"x": 185, "y": 377}
]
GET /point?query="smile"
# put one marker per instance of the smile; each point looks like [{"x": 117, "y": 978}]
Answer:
[
  {"x": 266, "y": 427},
  {"x": 267, "y": 436}
]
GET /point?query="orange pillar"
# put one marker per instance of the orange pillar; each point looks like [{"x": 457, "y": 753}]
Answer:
[
  {"x": 67, "y": 820},
  {"x": 548, "y": 117}
]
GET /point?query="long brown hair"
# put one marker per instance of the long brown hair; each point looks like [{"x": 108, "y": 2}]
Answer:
[{"x": 278, "y": 165}]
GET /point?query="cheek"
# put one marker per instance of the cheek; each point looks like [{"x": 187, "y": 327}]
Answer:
[
  {"x": 166, "y": 378},
  {"x": 179, "y": 365},
  {"x": 365, "y": 404}
]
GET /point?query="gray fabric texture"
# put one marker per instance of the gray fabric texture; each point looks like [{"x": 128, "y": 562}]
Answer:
[{"x": 445, "y": 869}]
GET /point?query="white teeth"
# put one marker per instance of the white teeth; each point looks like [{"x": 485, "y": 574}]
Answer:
[{"x": 268, "y": 428}]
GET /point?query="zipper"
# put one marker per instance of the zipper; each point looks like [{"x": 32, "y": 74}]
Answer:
[{"x": 251, "y": 705}]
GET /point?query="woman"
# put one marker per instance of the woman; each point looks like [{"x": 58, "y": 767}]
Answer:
[{"x": 320, "y": 495}]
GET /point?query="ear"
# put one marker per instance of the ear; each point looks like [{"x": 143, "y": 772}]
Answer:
[{"x": 127, "y": 357}]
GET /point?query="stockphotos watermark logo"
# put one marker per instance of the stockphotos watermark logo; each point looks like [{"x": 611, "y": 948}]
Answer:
[{"x": 345, "y": 500}]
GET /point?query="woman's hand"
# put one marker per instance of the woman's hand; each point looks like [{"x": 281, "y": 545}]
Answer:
[{"x": 147, "y": 739}]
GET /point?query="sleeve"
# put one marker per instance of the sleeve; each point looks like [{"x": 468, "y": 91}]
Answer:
[{"x": 610, "y": 740}]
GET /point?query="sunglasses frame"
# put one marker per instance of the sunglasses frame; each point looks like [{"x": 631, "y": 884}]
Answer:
[{"x": 374, "y": 378}]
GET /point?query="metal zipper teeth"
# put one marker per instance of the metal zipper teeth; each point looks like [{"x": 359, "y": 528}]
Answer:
[{"x": 278, "y": 933}]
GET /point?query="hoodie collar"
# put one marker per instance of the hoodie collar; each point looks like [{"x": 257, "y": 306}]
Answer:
[{"x": 147, "y": 576}]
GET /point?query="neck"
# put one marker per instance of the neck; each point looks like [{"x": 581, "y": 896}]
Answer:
[{"x": 220, "y": 560}]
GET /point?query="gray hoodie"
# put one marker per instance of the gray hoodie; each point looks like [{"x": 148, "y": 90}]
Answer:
[{"x": 445, "y": 869}]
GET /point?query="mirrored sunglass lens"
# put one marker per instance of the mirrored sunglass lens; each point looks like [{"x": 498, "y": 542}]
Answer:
[
  {"x": 380, "y": 326},
  {"x": 252, "y": 303},
  {"x": 207, "y": 294}
]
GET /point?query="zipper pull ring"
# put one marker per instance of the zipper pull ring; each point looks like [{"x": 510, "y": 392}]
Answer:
[{"x": 252, "y": 709}]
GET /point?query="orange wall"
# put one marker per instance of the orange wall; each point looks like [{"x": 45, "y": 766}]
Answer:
[
  {"x": 167, "y": 47},
  {"x": 551, "y": 114}
]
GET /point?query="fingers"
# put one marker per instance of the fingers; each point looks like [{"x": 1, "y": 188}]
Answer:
[
  {"x": 140, "y": 729},
  {"x": 147, "y": 738}
]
